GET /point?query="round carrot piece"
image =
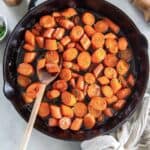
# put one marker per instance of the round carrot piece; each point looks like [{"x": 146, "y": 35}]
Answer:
[
  {"x": 68, "y": 98},
  {"x": 67, "y": 64},
  {"x": 52, "y": 57},
  {"x": 122, "y": 67},
  {"x": 47, "y": 21},
  {"x": 123, "y": 93},
  {"x": 64, "y": 123},
  {"x": 98, "y": 55},
  {"x": 76, "y": 124},
  {"x": 98, "y": 103},
  {"x": 52, "y": 68},
  {"x": 93, "y": 111},
  {"x": 23, "y": 81},
  {"x": 80, "y": 109},
  {"x": 78, "y": 94},
  {"x": 65, "y": 74},
  {"x": 123, "y": 81},
  {"x": 88, "y": 18},
  {"x": 101, "y": 26},
  {"x": 110, "y": 35},
  {"x": 89, "y": 121},
  {"x": 60, "y": 85},
  {"x": 110, "y": 60},
  {"x": 71, "y": 45},
  {"x": 122, "y": 43},
  {"x": 97, "y": 40},
  {"x": 76, "y": 33},
  {"x": 40, "y": 41},
  {"x": 93, "y": 90},
  {"x": 87, "y": 60},
  {"x": 51, "y": 94},
  {"x": 47, "y": 33},
  {"x": 119, "y": 104},
  {"x": 69, "y": 12},
  {"x": 80, "y": 83},
  {"x": 111, "y": 100},
  {"x": 107, "y": 91},
  {"x": 75, "y": 67},
  {"x": 55, "y": 111},
  {"x": 110, "y": 72},
  {"x": 25, "y": 69},
  {"x": 89, "y": 30},
  {"x": 44, "y": 110},
  {"x": 52, "y": 122},
  {"x": 41, "y": 63},
  {"x": 108, "y": 112},
  {"x": 27, "y": 98},
  {"x": 89, "y": 78},
  {"x": 103, "y": 80},
  {"x": 67, "y": 111},
  {"x": 28, "y": 47},
  {"x": 30, "y": 38},
  {"x": 70, "y": 54},
  {"x": 51, "y": 44},
  {"x": 29, "y": 57},
  {"x": 115, "y": 85}
]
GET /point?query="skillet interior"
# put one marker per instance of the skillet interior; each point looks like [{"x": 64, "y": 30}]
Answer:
[{"x": 137, "y": 42}]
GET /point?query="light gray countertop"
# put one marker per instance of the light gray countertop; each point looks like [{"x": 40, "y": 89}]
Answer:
[{"x": 12, "y": 126}]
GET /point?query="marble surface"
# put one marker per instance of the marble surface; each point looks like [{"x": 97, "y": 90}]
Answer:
[{"x": 12, "y": 126}]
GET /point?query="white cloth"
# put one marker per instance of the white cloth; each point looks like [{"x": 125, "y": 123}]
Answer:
[{"x": 128, "y": 136}]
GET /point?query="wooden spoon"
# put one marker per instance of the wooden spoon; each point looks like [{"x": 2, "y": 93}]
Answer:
[{"x": 45, "y": 78}]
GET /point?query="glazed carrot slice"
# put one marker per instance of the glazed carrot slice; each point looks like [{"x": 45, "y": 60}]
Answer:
[
  {"x": 111, "y": 100},
  {"x": 103, "y": 80},
  {"x": 131, "y": 80},
  {"x": 41, "y": 63},
  {"x": 47, "y": 21},
  {"x": 65, "y": 40},
  {"x": 27, "y": 98},
  {"x": 28, "y": 47},
  {"x": 110, "y": 60},
  {"x": 65, "y": 23},
  {"x": 25, "y": 69},
  {"x": 85, "y": 89},
  {"x": 67, "y": 111},
  {"x": 110, "y": 35},
  {"x": 65, "y": 74},
  {"x": 89, "y": 78},
  {"x": 101, "y": 26},
  {"x": 64, "y": 123},
  {"x": 29, "y": 57},
  {"x": 60, "y": 85},
  {"x": 114, "y": 27},
  {"x": 93, "y": 90},
  {"x": 71, "y": 45},
  {"x": 52, "y": 57},
  {"x": 51, "y": 94},
  {"x": 93, "y": 111},
  {"x": 48, "y": 33},
  {"x": 98, "y": 55},
  {"x": 80, "y": 109},
  {"x": 97, "y": 40},
  {"x": 123, "y": 93},
  {"x": 51, "y": 44},
  {"x": 107, "y": 91},
  {"x": 40, "y": 41},
  {"x": 59, "y": 33},
  {"x": 29, "y": 38},
  {"x": 52, "y": 68},
  {"x": 35, "y": 32},
  {"x": 85, "y": 42},
  {"x": 98, "y": 103},
  {"x": 56, "y": 14},
  {"x": 72, "y": 82},
  {"x": 75, "y": 75},
  {"x": 70, "y": 54},
  {"x": 67, "y": 64},
  {"x": 55, "y": 111},
  {"x": 76, "y": 124},
  {"x": 89, "y": 121},
  {"x": 119, "y": 104},
  {"x": 52, "y": 122},
  {"x": 80, "y": 83},
  {"x": 89, "y": 30},
  {"x": 78, "y": 94},
  {"x": 115, "y": 85},
  {"x": 100, "y": 118},
  {"x": 68, "y": 13},
  {"x": 88, "y": 18},
  {"x": 123, "y": 81},
  {"x": 122, "y": 43},
  {"x": 108, "y": 112},
  {"x": 98, "y": 69},
  {"x": 23, "y": 81},
  {"x": 76, "y": 33},
  {"x": 110, "y": 72},
  {"x": 75, "y": 67},
  {"x": 68, "y": 98},
  {"x": 87, "y": 60},
  {"x": 79, "y": 47},
  {"x": 122, "y": 67},
  {"x": 44, "y": 110},
  {"x": 60, "y": 47}
]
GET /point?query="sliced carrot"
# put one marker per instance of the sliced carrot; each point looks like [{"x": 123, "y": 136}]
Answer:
[
  {"x": 67, "y": 111},
  {"x": 80, "y": 83},
  {"x": 123, "y": 93},
  {"x": 35, "y": 32},
  {"x": 44, "y": 110},
  {"x": 27, "y": 98},
  {"x": 68, "y": 98},
  {"x": 93, "y": 90},
  {"x": 107, "y": 91},
  {"x": 101, "y": 26},
  {"x": 65, "y": 40},
  {"x": 71, "y": 45},
  {"x": 123, "y": 81},
  {"x": 70, "y": 54},
  {"x": 76, "y": 33},
  {"x": 48, "y": 33},
  {"x": 52, "y": 122},
  {"x": 69, "y": 12},
  {"x": 41, "y": 63},
  {"x": 55, "y": 111},
  {"x": 89, "y": 78},
  {"x": 60, "y": 47},
  {"x": 65, "y": 74},
  {"x": 115, "y": 85},
  {"x": 85, "y": 42},
  {"x": 72, "y": 83},
  {"x": 98, "y": 69},
  {"x": 52, "y": 57},
  {"x": 98, "y": 55},
  {"x": 89, "y": 121},
  {"x": 87, "y": 60},
  {"x": 65, "y": 23},
  {"x": 64, "y": 123},
  {"x": 51, "y": 44},
  {"x": 28, "y": 47},
  {"x": 103, "y": 80},
  {"x": 131, "y": 80},
  {"x": 75, "y": 75},
  {"x": 56, "y": 14},
  {"x": 47, "y": 21},
  {"x": 110, "y": 72},
  {"x": 67, "y": 64},
  {"x": 79, "y": 47},
  {"x": 40, "y": 41},
  {"x": 51, "y": 94},
  {"x": 119, "y": 104},
  {"x": 110, "y": 60},
  {"x": 59, "y": 33},
  {"x": 98, "y": 103},
  {"x": 76, "y": 124},
  {"x": 110, "y": 35},
  {"x": 97, "y": 40},
  {"x": 89, "y": 30},
  {"x": 60, "y": 85},
  {"x": 85, "y": 89},
  {"x": 52, "y": 68},
  {"x": 29, "y": 57},
  {"x": 23, "y": 81},
  {"x": 80, "y": 109},
  {"x": 29, "y": 38},
  {"x": 88, "y": 18},
  {"x": 93, "y": 111},
  {"x": 25, "y": 69},
  {"x": 111, "y": 100},
  {"x": 108, "y": 112},
  {"x": 78, "y": 94},
  {"x": 122, "y": 43},
  {"x": 75, "y": 67},
  {"x": 100, "y": 118},
  {"x": 122, "y": 67}
]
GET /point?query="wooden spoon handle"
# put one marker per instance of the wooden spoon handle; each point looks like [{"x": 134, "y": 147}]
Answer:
[{"x": 32, "y": 119}]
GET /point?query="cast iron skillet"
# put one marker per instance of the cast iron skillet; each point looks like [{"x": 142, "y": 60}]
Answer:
[{"x": 137, "y": 42}]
